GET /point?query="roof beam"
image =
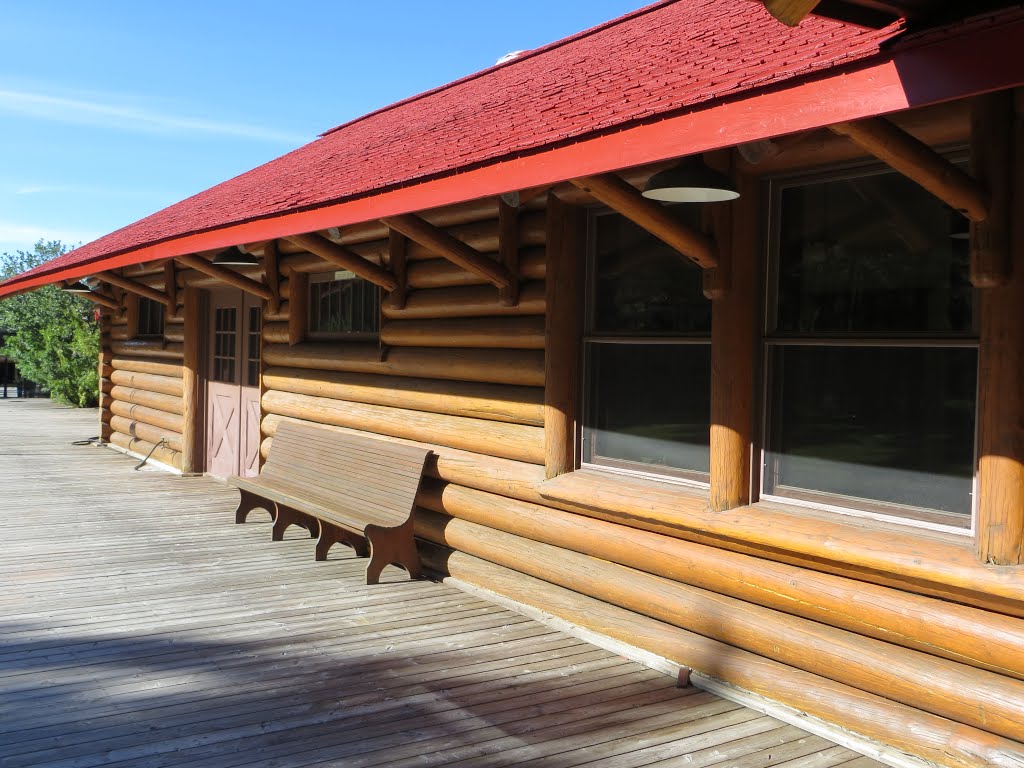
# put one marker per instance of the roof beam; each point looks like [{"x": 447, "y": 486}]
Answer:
[
  {"x": 345, "y": 258},
  {"x": 225, "y": 275},
  {"x": 624, "y": 198},
  {"x": 134, "y": 286},
  {"x": 100, "y": 298},
  {"x": 790, "y": 12},
  {"x": 920, "y": 163},
  {"x": 451, "y": 248}
]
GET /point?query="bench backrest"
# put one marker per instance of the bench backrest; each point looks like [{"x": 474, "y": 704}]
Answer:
[{"x": 377, "y": 478}]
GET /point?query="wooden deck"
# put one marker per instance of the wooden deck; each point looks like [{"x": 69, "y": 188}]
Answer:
[{"x": 140, "y": 627}]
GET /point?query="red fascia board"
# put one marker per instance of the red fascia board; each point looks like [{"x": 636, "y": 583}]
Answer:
[{"x": 950, "y": 68}]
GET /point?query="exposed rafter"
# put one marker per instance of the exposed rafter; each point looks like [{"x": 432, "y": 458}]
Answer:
[
  {"x": 655, "y": 218},
  {"x": 134, "y": 286},
  {"x": 225, "y": 275},
  {"x": 102, "y": 299},
  {"x": 920, "y": 163},
  {"x": 345, "y": 258},
  {"x": 451, "y": 248}
]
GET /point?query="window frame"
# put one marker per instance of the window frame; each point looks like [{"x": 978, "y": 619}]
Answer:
[
  {"x": 312, "y": 320},
  {"x": 920, "y": 517},
  {"x": 147, "y": 311},
  {"x": 588, "y": 339}
]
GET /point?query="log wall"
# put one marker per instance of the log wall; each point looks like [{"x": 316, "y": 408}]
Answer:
[{"x": 902, "y": 636}]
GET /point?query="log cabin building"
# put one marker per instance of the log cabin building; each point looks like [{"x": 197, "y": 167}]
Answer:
[{"x": 714, "y": 325}]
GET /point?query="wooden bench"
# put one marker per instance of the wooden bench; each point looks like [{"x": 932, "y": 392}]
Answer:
[{"x": 343, "y": 488}]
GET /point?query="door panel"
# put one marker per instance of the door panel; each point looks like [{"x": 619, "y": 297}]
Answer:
[{"x": 233, "y": 393}]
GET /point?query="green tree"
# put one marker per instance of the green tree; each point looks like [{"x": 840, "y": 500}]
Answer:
[{"x": 54, "y": 338}]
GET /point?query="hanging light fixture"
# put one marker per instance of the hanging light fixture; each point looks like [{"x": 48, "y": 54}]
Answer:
[
  {"x": 77, "y": 287},
  {"x": 691, "y": 181},
  {"x": 235, "y": 257},
  {"x": 959, "y": 226}
]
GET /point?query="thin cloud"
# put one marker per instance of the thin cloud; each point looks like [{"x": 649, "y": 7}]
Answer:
[
  {"x": 134, "y": 119},
  {"x": 35, "y": 189},
  {"x": 23, "y": 236}
]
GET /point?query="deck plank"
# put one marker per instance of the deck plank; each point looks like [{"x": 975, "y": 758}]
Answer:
[{"x": 141, "y": 628}]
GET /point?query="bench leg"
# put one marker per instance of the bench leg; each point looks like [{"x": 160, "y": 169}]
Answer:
[
  {"x": 333, "y": 534},
  {"x": 251, "y": 501},
  {"x": 391, "y": 546},
  {"x": 286, "y": 516}
]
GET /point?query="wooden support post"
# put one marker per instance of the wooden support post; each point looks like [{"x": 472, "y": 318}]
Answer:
[
  {"x": 191, "y": 410},
  {"x": 624, "y": 198},
  {"x": 130, "y": 302},
  {"x": 451, "y": 248},
  {"x": 992, "y": 119},
  {"x": 919, "y": 163},
  {"x": 225, "y": 275},
  {"x": 171, "y": 288},
  {"x": 272, "y": 274},
  {"x": 508, "y": 250},
  {"x": 734, "y": 315},
  {"x": 298, "y": 308},
  {"x": 398, "y": 247},
  {"x": 345, "y": 258},
  {"x": 564, "y": 332},
  {"x": 1000, "y": 523},
  {"x": 790, "y": 12},
  {"x": 134, "y": 286}
]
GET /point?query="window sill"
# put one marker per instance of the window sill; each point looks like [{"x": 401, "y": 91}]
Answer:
[{"x": 919, "y": 560}]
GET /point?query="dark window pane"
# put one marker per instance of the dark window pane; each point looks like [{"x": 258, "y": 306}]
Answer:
[
  {"x": 643, "y": 286},
  {"x": 151, "y": 317},
  {"x": 253, "y": 375},
  {"x": 891, "y": 425},
  {"x": 649, "y": 405},
  {"x": 348, "y": 305},
  {"x": 870, "y": 255}
]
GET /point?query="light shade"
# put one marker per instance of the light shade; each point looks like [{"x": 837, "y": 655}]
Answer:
[
  {"x": 78, "y": 287},
  {"x": 959, "y": 226},
  {"x": 233, "y": 257},
  {"x": 690, "y": 182}
]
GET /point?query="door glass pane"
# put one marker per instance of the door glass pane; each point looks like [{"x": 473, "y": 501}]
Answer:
[
  {"x": 224, "y": 349},
  {"x": 649, "y": 405},
  {"x": 888, "y": 424},
  {"x": 252, "y": 352},
  {"x": 870, "y": 255}
]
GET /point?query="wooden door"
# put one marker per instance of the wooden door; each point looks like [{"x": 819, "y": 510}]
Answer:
[{"x": 233, "y": 384}]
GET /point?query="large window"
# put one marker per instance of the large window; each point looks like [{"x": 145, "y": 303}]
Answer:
[
  {"x": 871, "y": 351},
  {"x": 647, "y": 353},
  {"x": 341, "y": 304}
]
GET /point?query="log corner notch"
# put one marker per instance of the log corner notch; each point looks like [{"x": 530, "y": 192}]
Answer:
[
  {"x": 337, "y": 254},
  {"x": 624, "y": 198},
  {"x": 450, "y": 247},
  {"x": 983, "y": 198}
]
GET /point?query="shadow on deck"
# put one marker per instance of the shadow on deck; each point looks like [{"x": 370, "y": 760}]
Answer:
[{"x": 141, "y": 627}]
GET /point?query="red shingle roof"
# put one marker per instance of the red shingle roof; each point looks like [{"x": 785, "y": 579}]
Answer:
[{"x": 644, "y": 66}]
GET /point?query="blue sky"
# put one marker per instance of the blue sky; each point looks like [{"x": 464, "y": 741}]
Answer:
[{"x": 111, "y": 110}]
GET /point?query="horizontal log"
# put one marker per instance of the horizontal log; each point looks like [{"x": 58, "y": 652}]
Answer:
[
  {"x": 151, "y": 416},
  {"x": 523, "y": 367},
  {"x": 162, "y": 402},
  {"x": 476, "y": 470},
  {"x": 105, "y": 416},
  {"x": 510, "y": 441},
  {"x": 438, "y": 273},
  {"x": 139, "y": 365},
  {"x": 907, "y": 730},
  {"x": 119, "y": 333},
  {"x": 105, "y": 369},
  {"x": 148, "y": 348},
  {"x": 345, "y": 258},
  {"x": 174, "y": 333},
  {"x": 941, "y": 565},
  {"x": 967, "y": 635},
  {"x": 468, "y": 301},
  {"x": 106, "y": 386},
  {"x": 146, "y": 268},
  {"x": 944, "y": 688},
  {"x": 142, "y": 431},
  {"x": 166, "y": 385},
  {"x": 191, "y": 277},
  {"x": 281, "y": 315},
  {"x": 494, "y": 402},
  {"x": 143, "y": 448},
  {"x": 275, "y": 332},
  {"x": 490, "y": 333}
]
